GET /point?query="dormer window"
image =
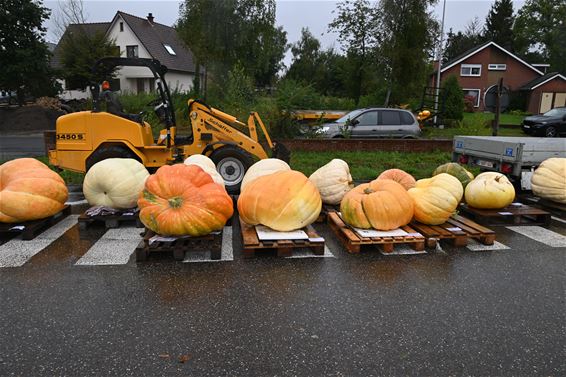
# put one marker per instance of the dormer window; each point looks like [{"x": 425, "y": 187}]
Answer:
[
  {"x": 169, "y": 49},
  {"x": 470, "y": 70}
]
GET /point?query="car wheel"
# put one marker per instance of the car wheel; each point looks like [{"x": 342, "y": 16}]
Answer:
[
  {"x": 550, "y": 131},
  {"x": 232, "y": 164}
]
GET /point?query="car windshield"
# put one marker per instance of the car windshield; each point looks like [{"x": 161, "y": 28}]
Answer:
[
  {"x": 555, "y": 112},
  {"x": 350, "y": 115}
]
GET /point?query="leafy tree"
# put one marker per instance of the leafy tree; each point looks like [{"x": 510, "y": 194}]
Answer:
[
  {"x": 24, "y": 56},
  {"x": 540, "y": 27},
  {"x": 499, "y": 24},
  {"x": 240, "y": 94},
  {"x": 79, "y": 51},
  {"x": 454, "y": 99},
  {"x": 306, "y": 58},
  {"x": 460, "y": 42},
  {"x": 407, "y": 33}
]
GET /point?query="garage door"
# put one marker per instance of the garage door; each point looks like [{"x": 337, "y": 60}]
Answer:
[
  {"x": 559, "y": 99},
  {"x": 545, "y": 102}
]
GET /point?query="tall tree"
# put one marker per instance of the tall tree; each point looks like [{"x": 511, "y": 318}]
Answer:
[
  {"x": 24, "y": 56},
  {"x": 460, "y": 42},
  {"x": 357, "y": 26},
  {"x": 540, "y": 28},
  {"x": 68, "y": 12},
  {"x": 499, "y": 24},
  {"x": 306, "y": 58},
  {"x": 407, "y": 31}
]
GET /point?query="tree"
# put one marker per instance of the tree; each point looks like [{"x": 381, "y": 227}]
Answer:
[
  {"x": 540, "y": 28},
  {"x": 460, "y": 42},
  {"x": 24, "y": 56},
  {"x": 454, "y": 99},
  {"x": 68, "y": 12},
  {"x": 306, "y": 58},
  {"x": 357, "y": 26},
  {"x": 499, "y": 24},
  {"x": 407, "y": 32}
]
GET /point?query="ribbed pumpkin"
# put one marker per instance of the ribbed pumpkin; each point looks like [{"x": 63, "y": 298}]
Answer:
[
  {"x": 382, "y": 204},
  {"x": 207, "y": 165},
  {"x": 436, "y": 198},
  {"x": 405, "y": 179},
  {"x": 263, "y": 167},
  {"x": 115, "y": 183},
  {"x": 333, "y": 181},
  {"x": 29, "y": 190},
  {"x": 455, "y": 170},
  {"x": 549, "y": 180},
  {"x": 183, "y": 200},
  {"x": 490, "y": 190},
  {"x": 283, "y": 201}
]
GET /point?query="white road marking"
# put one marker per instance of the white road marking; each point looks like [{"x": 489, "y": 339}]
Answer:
[
  {"x": 114, "y": 248},
  {"x": 305, "y": 253},
  {"x": 558, "y": 219},
  {"x": 476, "y": 246},
  {"x": 401, "y": 249},
  {"x": 17, "y": 252},
  {"x": 541, "y": 235},
  {"x": 204, "y": 256},
  {"x": 76, "y": 202}
]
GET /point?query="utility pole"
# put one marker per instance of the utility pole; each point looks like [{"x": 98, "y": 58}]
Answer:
[
  {"x": 439, "y": 57},
  {"x": 495, "y": 124}
]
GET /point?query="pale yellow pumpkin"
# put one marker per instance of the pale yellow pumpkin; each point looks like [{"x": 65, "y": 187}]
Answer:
[
  {"x": 549, "y": 180},
  {"x": 263, "y": 167},
  {"x": 207, "y": 165},
  {"x": 436, "y": 198},
  {"x": 115, "y": 183},
  {"x": 333, "y": 181},
  {"x": 490, "y": 190}
]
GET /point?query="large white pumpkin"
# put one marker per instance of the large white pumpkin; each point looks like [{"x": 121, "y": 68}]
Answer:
[
  {"x": 333, "y": 181},
  {"x": 207, "y": 165},
  {"x": 263, "y": 167},
  {"x": 490, "y": 190},
  {"x": 115, "y": 183},
  {"x": 549, "y": 180}
]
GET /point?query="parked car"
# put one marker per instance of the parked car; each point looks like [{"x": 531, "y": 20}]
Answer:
[
  {"x": 7, "y": 97},
  {"x": 373, "y": 123},
  {"x": 550, "y": 124}
]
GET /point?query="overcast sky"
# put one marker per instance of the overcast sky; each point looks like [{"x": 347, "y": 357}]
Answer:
[{"x": 291, "y": 14}]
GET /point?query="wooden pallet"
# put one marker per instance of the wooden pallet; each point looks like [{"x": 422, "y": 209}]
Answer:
[
  {"x": 458, "y": 229},
  {"x": 179, "y": 246},
  {"x": 31, "y": 229},
  {"x": 353, "y": 242},
  {"x": 284, "y": 248},
  {"x": 110, "y": 221},
  {"x": 512, "y": 214},
  {"x": 326, "y": 209}
]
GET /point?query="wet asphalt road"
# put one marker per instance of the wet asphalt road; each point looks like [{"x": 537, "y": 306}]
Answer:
[
  {"x": 17, "y": 146},
  {"x": 455, "y": 312}
]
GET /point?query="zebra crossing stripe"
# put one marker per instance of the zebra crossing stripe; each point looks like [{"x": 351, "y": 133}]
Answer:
[
  {"x": 310, "y": 254},
  {"x": 114, "y": 248},
  {"x": 476, "y": 246},
  {"x": 227, "y": 250},
  {"x": 541, "y": 235},
  {"x": 17, "y": 252}
]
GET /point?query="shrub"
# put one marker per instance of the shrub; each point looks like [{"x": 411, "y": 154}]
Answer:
[{"x": 454, "y": 99}]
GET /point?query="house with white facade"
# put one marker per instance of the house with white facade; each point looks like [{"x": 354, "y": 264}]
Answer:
[{"x": 137, "y": 37}]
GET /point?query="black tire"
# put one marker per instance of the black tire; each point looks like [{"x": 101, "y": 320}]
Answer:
[
  {"x": 109, "y": 151},
  {"x": 232, "y": 163},
  {"x": 550, "y": 131}
]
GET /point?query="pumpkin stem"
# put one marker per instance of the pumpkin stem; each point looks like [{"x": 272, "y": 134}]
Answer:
[
  {"x": 175, "y": 202},
  {"x": 368, "y": 191}
]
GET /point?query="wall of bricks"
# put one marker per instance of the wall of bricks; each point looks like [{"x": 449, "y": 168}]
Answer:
[{"x": 400, "y": 145}]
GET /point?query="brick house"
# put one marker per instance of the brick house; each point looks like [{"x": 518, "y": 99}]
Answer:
[{"x": 479, "y": 70}]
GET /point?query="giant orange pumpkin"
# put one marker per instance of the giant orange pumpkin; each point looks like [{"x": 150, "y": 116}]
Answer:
[
  {"x": 283, "y": 201},
  {"x": 183, "y": 200},
  {"x": 382, "y": 204},
  {"x": 29, "y": 190},
  {"x": 405, "y": 179}
]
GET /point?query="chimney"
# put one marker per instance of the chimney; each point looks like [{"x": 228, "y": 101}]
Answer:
[{"x": 150, "y": 18}]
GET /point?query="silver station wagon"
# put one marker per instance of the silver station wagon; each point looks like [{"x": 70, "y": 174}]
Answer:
[{"x": 373, "y": 123}]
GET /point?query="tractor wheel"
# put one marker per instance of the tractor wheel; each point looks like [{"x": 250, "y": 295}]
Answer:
[
  {"x": 232, "y": 163},
  {"x": 109, "y": 151}
]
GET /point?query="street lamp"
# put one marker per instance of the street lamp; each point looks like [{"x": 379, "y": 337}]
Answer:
[{"x": 439, "y": 57}]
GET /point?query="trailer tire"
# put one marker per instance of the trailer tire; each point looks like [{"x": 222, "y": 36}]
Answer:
[
  {"x": 232, "y": 163},
  {"x": 109, "y": 151}
]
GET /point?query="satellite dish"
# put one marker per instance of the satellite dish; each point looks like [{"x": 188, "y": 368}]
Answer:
[{"x": 489, "y": 98}]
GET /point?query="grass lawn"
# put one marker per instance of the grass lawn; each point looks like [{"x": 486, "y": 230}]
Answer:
[
  {"x": 486, "y": 118},
  {"x": 368, "y": 165},
  {"x": 478, "y": 124}
]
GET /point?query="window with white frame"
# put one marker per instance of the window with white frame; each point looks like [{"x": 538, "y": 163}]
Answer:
[
  {"x": 470, "y": 70},
  {"x": 497, "y": 67},
  {"x": 169, "y": 49},
  {"x": 472, "y": 95}
]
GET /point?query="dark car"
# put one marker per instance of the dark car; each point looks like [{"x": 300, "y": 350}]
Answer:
[{"x": 550, "y": 124}]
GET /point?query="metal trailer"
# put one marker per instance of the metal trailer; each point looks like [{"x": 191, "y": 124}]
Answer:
[{"x": 516, "y": 157}]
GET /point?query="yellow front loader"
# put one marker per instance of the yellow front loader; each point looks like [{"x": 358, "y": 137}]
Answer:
[{"x": 84, "y": 138}]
